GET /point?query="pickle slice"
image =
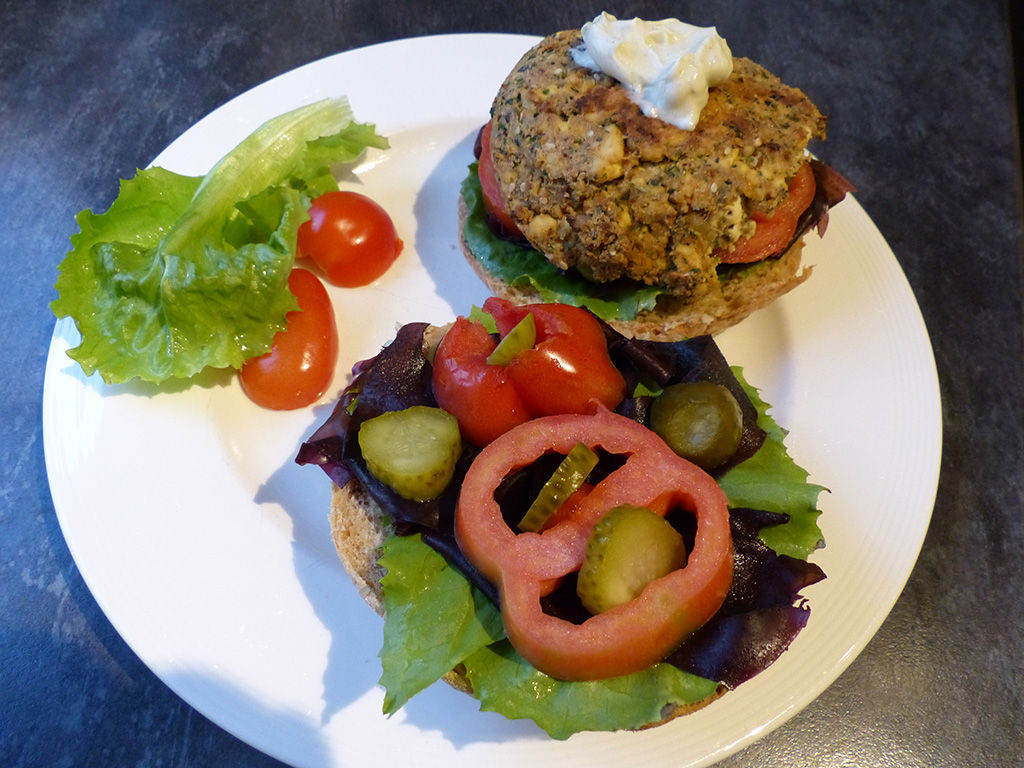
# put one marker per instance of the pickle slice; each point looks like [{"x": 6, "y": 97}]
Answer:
[
  {"x": 701, "y": 421},
  {"x": 628, "y": 548},
  {"x": 522, "y": 336},
  {"x": 563, "y": 483},
  {"x": 414, "y": 451}
]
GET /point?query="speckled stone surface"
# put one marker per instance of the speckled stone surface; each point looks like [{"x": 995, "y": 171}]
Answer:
[{"x": 922, "y": 118}]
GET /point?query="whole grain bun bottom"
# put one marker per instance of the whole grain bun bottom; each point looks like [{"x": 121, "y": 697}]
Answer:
[{"x": 737, "y": 294}]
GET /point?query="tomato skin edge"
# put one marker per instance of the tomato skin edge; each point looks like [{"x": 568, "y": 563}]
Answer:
[
  {"x": 568, "y": 370},
  {"x": 350, "y": 237},
  {"x": 479, "y": 395},
  {"x": 494, "y": 201}
]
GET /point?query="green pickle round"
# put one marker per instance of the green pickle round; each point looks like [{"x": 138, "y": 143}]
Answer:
[
  {"x": 628, "y": 548},
  {"x": 414, "y": 450},
  {"x": 701, "y": 421}
]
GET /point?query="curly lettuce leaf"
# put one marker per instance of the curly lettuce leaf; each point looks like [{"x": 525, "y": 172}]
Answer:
[
  {"x": 433, "y": 618},
  {"x": 520, "y": 265},
  {"x": 772, "y": 481},
  {"x": 183, "y": 273},
  {"x": 507, "y": 684}
]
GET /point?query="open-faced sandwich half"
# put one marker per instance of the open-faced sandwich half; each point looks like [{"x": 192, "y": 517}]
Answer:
[{"x": 587, "y": 530}]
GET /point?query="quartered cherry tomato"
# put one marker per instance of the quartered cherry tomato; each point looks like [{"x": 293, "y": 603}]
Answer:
[
  {"x": 350, "y": 237},
  {"x": 566, "y": 370},
  {"x": 527, "y": 566},
  {"x": 774, "y": 232},
  {"x": 300, "y": 364}
]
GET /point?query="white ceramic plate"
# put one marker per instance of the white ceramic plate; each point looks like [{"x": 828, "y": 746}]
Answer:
[{"x": 209, "y": 549}]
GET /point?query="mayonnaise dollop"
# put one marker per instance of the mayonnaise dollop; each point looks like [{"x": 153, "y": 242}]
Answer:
[{"x": 667, "y": 66}]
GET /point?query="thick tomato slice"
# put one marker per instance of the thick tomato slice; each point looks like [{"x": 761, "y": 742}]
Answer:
[
  {"x": 350, "y": 237},
  {"x": 774, "y": 232},
  {"x": 494, "y": 200},
  {"x": 300, "y": 364},
  {"x": 526, "y": 566}
]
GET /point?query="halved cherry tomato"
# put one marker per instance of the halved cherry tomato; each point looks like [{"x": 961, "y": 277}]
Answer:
[
  {"x": 568, "y": 370},
  {"x": 774, "y": 232},
  {"x": 350, "y": 237},
  {"x": 300, "y": 364},
  {"x": 527, "y": 566},
  {"x": 494, "y": 200}
]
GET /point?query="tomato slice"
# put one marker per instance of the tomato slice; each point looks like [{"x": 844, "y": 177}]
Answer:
[
  {"x": 300, "y": 364},
  {"x": 526, "y": 566},
  {"x": 494, "y": 200},
  {"x": 350, "y": 237},
  {"x": 774, "y": 232}
]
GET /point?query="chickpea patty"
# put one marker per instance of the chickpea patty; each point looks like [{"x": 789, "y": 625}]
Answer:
[{"x": 597, "y": 186}]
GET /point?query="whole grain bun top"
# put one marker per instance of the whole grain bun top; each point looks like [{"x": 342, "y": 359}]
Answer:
[{"x": 599, "y": 187}]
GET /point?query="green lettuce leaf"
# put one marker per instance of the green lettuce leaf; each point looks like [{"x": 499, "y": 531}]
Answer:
[
  {"x": 520, "y": 265},
  {"x": 433, "y": 619},
  {"x": 183, "y": 273},
  {"x": 505, "y": 683},
  {"x": 772, "y": 481}
]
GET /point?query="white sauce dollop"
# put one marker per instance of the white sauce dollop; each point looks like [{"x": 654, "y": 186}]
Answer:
[{"x": 666, "y": 66}]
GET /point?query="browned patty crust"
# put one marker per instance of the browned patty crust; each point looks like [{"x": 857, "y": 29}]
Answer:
[{"x": 596, "y": 185}]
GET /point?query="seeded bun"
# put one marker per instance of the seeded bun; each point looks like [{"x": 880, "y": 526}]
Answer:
[{"x": 757, "y": 286}]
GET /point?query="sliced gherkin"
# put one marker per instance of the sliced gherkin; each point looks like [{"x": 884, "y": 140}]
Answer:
[
  {"x": 522, "y": 336},
  {"x": 701, "y": 421},
  {"x": 568, "y": 476},
  {"x": 414, "y": 451},
  {"x": 628, "y": 548}
]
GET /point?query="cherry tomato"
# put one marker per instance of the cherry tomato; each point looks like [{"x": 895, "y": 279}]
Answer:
[
  {"x": 567, "y": 370},
  {"x": 350, "y": 237},
  {"x": 494, "y": 201},
  {"x": 300, "y": 364},
  {"x": 774, "y": 232},
  {"x": 528, "y": 566},
  {"x": 477, "y": 394}
]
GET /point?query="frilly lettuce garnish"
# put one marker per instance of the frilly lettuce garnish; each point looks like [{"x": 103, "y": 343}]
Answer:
[{"x": 183, "y": 273}]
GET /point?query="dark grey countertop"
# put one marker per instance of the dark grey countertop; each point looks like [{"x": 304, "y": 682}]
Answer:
[{"x": 920, "y": 98}]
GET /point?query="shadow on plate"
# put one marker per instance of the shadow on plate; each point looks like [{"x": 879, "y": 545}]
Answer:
[{"x": 437, "y": 239}]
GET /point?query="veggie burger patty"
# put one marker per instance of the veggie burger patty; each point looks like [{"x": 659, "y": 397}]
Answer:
[{"x": 597, "y": 186}]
